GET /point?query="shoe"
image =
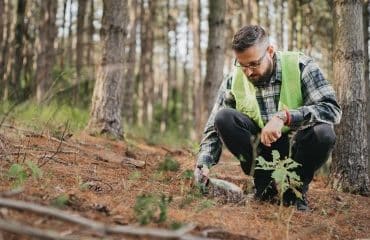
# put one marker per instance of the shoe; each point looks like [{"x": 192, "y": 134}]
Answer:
[{"x": 302, "y": 204}]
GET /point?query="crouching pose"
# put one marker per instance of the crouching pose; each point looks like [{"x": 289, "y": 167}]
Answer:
[{"x": 273, "y": 95}]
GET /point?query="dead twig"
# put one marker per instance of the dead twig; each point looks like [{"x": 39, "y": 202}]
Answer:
[
  {"x": 18, "y": 228},
  {"x": 59, "y": 146},
  {"x": 101, "y": 227}
]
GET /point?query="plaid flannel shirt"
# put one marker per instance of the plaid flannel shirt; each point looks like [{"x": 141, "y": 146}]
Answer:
[{"x": 319, "y": 105}]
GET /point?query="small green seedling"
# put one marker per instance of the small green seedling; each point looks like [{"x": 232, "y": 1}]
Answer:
[
  {"x": 282, "y": 172},
  {"x": 169, "y": 164},
  {"x": 151, "y": 208}
]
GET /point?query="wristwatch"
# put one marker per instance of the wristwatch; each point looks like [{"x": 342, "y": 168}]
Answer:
[{"x": 283, "y": 116}]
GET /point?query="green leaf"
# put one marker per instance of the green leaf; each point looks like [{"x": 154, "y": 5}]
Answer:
[{"x": 275, "y": 155}]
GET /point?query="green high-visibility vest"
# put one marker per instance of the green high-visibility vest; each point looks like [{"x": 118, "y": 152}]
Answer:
[{"x": 290, "y": 92}]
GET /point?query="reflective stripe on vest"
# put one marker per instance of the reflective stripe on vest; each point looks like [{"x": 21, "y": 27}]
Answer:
[{"x": 290, "y": 92}]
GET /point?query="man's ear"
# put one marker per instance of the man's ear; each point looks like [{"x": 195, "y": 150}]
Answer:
[{"x": 271, "y": 50}]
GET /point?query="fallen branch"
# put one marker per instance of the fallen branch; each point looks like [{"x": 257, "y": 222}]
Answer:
[
  {"x": 12, "y": 192},
  {"x": 101, "y": 227},
  {"x": 18, "y": 228}
]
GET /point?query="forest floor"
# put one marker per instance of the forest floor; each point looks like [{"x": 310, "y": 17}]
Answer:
[{"x": 93, "y": 178}]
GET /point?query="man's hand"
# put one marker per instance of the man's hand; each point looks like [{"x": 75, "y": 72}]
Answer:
[
  {"x": 201, "y": 173},
  {"x": 272, "y": 131}
]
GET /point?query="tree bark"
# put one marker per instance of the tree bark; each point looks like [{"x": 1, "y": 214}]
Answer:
[
  {"x": 62, "y": 40},
  {"x": 130, "y": 75},
  {"x": 215, "y": 52},
  {"x": 197, "y": 89},
  {"x": 166, "y": 85},
  {"x": 16, "y": 68},
  {"x": 146, "y": 61},
  {"x": 293, "y": 8},
  {"x": 5, "y": 67},
  {"x": 70, "y": 51},
  {"x": 350, "y": 159},
  {"x": 105, "y": 115},
  {"x": 80, "y": 45},
  {"x": 2, "y": 28},
  {"x": 367, "y": 80},
  {"x": 45, "y": 50}
]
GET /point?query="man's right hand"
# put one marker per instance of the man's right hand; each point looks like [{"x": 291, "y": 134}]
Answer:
[{"x": 201, "y": 173}]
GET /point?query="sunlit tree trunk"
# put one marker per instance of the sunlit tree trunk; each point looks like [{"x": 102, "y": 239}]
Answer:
[
  {"x": 197, "y": 89},
  {"x": 45, "y": 49},
  {"x": 215, "y": 52},
  {"x": 105, "y": 115},
  {"x": 146, "y": 61},
  {"x": 130, "y": 76},
  {"x": 186, "y": 116},
  {"x": 350, "y": 159}
]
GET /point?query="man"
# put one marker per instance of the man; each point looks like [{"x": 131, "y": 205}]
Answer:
[{"x": 273, "y": 95}]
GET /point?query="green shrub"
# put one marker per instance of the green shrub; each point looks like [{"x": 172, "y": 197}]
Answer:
[
  {"x": 17, "y": 173},
  {"x": 151, "y": 208},
  {"x": 61, "y": 201},
  {"x": 169, "y": 164}
]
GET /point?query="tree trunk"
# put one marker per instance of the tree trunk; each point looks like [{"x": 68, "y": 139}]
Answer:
[
  {"x": 146, "y": 61},
  {"x": 367, "y": 80},
  {"x": 105, "y": 115},
  {"x": 350, "y": 159},
  {"x": 292, "y": 6},
  {"x": 130, "y": 75},
  {"x": 16, "y": 69},
  {"x": 62, "y": 44},
  {"x": 5, "y": 67},
  {"x": 70, "y": 35},
  {"x": 45, "y": 50},
  {"x": 2, "y": 43},
  {"x": 215, "y": 52},
  {"x": 91, "y": 31},
  {"x": 186, "y": 116},
  {"x": 80, "y": 45},
  {"x": 166, "y": 86},
  {"x": 197, "y": 89}
]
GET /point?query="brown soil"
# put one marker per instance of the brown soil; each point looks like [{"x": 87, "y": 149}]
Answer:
[{"x": 112, "y": 189}]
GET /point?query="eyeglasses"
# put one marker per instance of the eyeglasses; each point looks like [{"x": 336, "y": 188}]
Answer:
[{"x": 253, "y": 65}]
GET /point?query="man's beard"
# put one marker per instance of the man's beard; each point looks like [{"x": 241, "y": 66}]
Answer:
[{"x": 264, "y": 78}]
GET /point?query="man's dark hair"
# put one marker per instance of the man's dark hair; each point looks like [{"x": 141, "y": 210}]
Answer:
[{"x": 248, "y": 36}]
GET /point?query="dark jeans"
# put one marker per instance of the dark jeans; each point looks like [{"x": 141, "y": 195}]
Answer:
[{"x": 311, "y": 147}]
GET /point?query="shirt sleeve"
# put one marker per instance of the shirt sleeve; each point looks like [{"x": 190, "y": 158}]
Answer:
[
  {"x": 319, "y": 101},
  {"x": 211, "y": 145}
]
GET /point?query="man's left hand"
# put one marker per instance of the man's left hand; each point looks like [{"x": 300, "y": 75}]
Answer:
[{"x": 272, "y": 131}]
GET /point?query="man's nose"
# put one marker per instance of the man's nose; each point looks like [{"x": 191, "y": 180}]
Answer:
[{"x": 247, "y": 71}]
